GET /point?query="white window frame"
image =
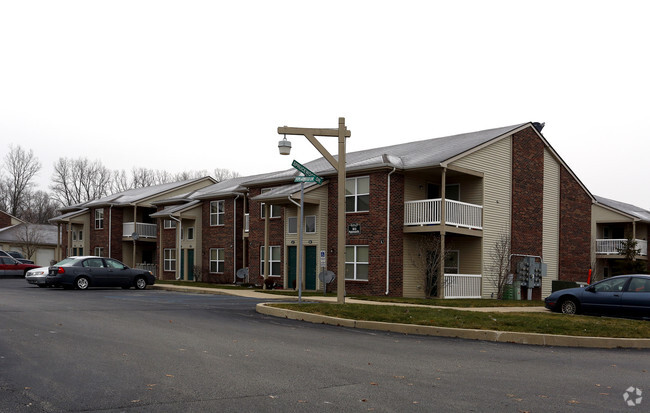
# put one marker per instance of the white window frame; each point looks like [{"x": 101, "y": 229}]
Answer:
[
  {"x": 217, "y": 218},
  {"x": 356, "y": 194},
  {"x": 220, "y": 264},
  {"x": 291, "y": 220},
  {"x": 99, "y": 251},
  {"x": 355, "y": 263},
  {"x": 275, "y": 209},
  {"x": 169, "y": 259},
  {"x": 169, "y": 224},
  {"x": 271, "y": 261},
  {"x": 99, "y": 218},
  {"x": 457, "y": 267},
  {"x": 307, "y": 219},
  {"x": 190, "y": 233},
  {"x": 74, "y": 235}
]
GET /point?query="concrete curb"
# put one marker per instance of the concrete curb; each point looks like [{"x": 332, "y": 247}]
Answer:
[{"x": 471, "y": 334}]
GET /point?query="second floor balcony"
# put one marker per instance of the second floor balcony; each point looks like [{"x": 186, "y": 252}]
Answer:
[
  {"x": 615, "y": 246},
  {"x": 428, "y": 212},
  {"x": 143, "y": 230}
]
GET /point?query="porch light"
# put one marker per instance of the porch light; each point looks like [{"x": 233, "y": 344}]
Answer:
[{"x": 284, "y": 146}]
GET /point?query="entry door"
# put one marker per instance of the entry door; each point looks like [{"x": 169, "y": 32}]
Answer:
[
  {"x": 310, "y": 268},
  {"x": 293, "y": 265},
  {"x": 190, "y": 265}
]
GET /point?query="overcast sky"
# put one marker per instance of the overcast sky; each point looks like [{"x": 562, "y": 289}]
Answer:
[{"x": 189, "y": 85}]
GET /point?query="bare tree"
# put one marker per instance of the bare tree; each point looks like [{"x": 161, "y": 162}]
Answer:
[
  {"x": 500, "y": 263},
  {"x": 79, "y": 180},
  {"x": 20, "y": 167},
  {"x": 428, "y": 257},
  {"x": 223, "y": 174},
  {"x": 30, "y": 238},
  {"x": 39, "y": 208}
]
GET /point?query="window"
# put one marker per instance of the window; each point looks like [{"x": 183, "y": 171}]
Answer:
[
  {"x": 217, "y": 260},
  {"x": 275, "y": 209},
  {"x": 451, "y": 262},
  {"x": 274, "y": 261},
  {"x": 639, "y": 285},
  {"x": 81, "y": 235},
  {"x": 356, "y": 262},
  {"x": 452, "y": 192},
  {"x": 111, "y": 263},
  {"x": 99, "y": 218},
  {"x": 74, "y": 235},
  {"x": 217, "y": 213},
  {"x": 292, "y": 225},
  {"x": 99, "y": 251},
  {"x": 93, "y": 263},
  {"x": 169, "y": 224},
  {"x": 170, "y": 259},
  {"x": 357, "y": 194},
  {"x": 310, "y": 224},
  {"x": 190, "y": 233},
  {"x": 612, "y": 285}
]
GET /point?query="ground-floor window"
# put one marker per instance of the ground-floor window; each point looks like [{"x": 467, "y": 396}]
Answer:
[
  {"x": 274, "y": 261},
  {"x": 451, "y": 262},
  {"x": 217, "y": 260},
  {"x": 99, "y": 251},
  {"x": 356, "y": 262},
  {"x": 170, "y": 259}
]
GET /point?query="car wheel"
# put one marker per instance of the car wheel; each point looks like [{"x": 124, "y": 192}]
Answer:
[
  {"x": 140, "y": 283},
  {"x": 569, "y": 306},
  {"x": 82, "y": 283}
]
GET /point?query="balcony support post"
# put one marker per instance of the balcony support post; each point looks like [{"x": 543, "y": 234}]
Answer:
[{"x": 441, "y": 271}]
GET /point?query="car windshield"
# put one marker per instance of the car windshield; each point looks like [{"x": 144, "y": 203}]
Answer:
[{"x": 66, "y": 262}]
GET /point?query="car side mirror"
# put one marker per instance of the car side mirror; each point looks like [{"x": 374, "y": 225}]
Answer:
[{"x": 591, "y": 289}]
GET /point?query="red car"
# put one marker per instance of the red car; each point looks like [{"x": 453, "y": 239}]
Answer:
[{"x": 9, "y": 266}]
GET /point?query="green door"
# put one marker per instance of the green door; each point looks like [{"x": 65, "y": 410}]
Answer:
[
  {"x": 291, "y": 256},
  {"x": 310, "y": 268},
  {"x": 190, "y": 265}
]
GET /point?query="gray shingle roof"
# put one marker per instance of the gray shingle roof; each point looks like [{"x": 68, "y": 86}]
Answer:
[
  {"x": 47, "y": 234},
  {"x": 411, "y": 155},
  {"x": 635, "y": 211}
]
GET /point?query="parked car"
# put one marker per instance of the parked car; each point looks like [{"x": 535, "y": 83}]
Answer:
[
  {"x": 38, "y": 276},
  {"x": 9, "y": 266},
  {"x": 623, "y": 295},
  {"x": 20, "y": 257},
  {"x": 93, "y": 271}
]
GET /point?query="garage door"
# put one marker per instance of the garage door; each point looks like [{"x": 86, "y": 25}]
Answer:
[{"x": 44, "y": 256}]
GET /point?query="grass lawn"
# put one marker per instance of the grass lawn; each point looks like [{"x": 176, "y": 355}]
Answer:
[{"x": 546, "y": 323}]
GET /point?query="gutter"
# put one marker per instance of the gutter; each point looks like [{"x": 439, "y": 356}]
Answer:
[
  {"x": 388, "y": 234},
  {"x": 234, "y": 240}
]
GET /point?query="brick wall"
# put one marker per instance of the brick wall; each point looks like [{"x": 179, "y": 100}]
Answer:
[
  {"x": 166, "y": 239},
  {"x": 527, "y": 196},
  {"x": 373, "y": 234},
  {"x": 99, "y": 237},
  {"x": 256, "y": 237},
  {"x": 222, "y": 237},
  {"x": 5, "y": 220},
  {"x": 575, "y": 230}
]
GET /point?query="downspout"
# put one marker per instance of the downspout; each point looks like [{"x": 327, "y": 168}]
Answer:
[
  {"x": 234, "y": 240},
  {"x": 179, "y": 228},
  {"x": 110, "y": 229},
  {"x": 388, "y": 234}
]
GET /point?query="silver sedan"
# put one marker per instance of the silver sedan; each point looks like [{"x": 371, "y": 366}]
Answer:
[{"x": 37, "y": 276}]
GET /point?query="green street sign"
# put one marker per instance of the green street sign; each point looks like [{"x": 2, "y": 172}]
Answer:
[{"x": 308, "y": 174}]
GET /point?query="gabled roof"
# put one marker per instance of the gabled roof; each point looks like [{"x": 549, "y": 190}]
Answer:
[
  {"x": 283, "y": 192},
  {"x": 628, "y": 209},
  {"x": 175, "y": 210},
  {"x": 47, "y": 234},
  {"x": 404, "y": 156},
  {"x": 67, "y": 216},
  {"x": 141, "y": 194}
]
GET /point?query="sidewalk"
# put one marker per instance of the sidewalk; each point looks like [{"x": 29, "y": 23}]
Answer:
[{"x": 470, "y": 334}]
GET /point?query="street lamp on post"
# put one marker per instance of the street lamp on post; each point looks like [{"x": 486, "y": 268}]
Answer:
[{"x": 339, "y": 165}]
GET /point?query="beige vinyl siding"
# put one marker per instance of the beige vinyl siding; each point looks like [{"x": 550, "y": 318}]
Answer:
[
  {"x": 415, "y": 185},
  {"x": 495, "y": 162},
  {"x": 413, "y": 284},
  {"x": 551, "y": 224},
  {"x": 600, "y": 215},
  {"x": 471, "y": 188},
  {"x": 469, "y": 251}
]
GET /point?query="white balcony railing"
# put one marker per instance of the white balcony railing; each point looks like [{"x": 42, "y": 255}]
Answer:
[
  {"x": 462, "y": 285},
  {"x": 143, "y": 230},
  {"x": 247, "y": 220},
  {"x": 612, "y": 246},
  {"x": 427, "y": 212}
]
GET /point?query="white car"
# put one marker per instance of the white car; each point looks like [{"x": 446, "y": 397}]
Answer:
[{"x": 37, "y": 276}]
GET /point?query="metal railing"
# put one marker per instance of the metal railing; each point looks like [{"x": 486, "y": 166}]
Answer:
[
  {"x": 462, "y": 285},
  {"x": 427, "y": 212},
  {"x": 143, "y": 230},
  {"x": 613, "y": 246},
  {"x": 148, "y": 267}
]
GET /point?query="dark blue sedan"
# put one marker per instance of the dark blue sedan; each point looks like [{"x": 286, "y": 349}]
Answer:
[
  {"x": 84, "y": 272},
  {"x": 623, "y": 296}
]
